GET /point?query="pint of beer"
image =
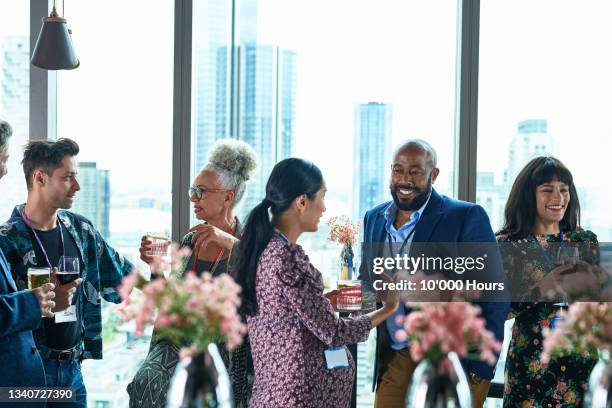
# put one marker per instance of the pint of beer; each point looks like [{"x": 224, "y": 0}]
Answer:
[{"x": 38, "y": 277}]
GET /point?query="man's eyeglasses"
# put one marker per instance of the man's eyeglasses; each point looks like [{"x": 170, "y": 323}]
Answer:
[{"x": 200, "y": 192}]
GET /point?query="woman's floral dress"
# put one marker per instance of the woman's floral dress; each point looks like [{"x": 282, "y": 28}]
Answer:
[
  {"x": 293, "y": 326},
  {"x": 527, "y": 382}
]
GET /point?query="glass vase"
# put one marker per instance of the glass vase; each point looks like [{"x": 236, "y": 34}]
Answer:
[
  {"x": 346, "y": 263},
  {"x": 201, "y": 382},
  {"x": 599, "y": 394},
  {"x": 439, "y": 384}
]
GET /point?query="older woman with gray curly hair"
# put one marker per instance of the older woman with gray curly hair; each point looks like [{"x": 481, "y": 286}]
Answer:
[{"x": 215, "y": 192}]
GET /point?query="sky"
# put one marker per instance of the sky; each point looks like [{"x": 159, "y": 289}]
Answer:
[
  {"x": 544, "y": 59},
  {"x": 548, "y": 59}
]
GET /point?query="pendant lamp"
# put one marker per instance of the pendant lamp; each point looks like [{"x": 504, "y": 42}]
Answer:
[{"x": 54, "y": 49}]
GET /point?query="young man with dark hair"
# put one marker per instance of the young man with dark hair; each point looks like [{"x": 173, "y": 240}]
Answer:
[{"x": 38, "y": 233}]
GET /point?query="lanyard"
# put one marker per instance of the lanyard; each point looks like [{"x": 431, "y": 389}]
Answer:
[
  {"x": 549, "y": 261},
  {"x": 217, "y": 256},
  {"x": 410, "y": 234},
  {"x": 215, "y": 262},
  {"x": 283, "y": 237},
  {"x": 42, "y": 248}
]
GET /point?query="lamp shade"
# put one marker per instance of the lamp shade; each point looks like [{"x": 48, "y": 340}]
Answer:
[{"x": 54, "y": 48}]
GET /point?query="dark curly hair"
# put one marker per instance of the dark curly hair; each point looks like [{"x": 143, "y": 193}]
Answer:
[
  {"x": 521, "y": 207},
  {"x": 46, "y": 155}
]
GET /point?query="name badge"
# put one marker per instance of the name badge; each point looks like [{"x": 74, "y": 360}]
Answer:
[
  {"x": 336, "y": 358},
  {"x": 68, "y": 315},
  {"x": 555, "y": 320}
]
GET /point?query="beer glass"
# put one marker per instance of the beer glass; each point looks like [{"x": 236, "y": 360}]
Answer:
[{"x": 38, "y": 277}]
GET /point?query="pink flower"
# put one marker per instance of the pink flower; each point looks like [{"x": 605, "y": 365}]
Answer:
[
  {"x": 127, "y": 284},
  {"x": 585, "y": 329},
  {"x": 192, "y": 310},
  {"x": 401, "y": 335},
  {"x": 437, "y": 328},
  {"x": 342, "y": 230},
  {"x": 561, "y": 387}
]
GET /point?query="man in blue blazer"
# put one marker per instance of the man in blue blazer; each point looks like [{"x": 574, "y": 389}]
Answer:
[
  {"x": 417, "y": 215},
  {"x": 20, "y": 313}
]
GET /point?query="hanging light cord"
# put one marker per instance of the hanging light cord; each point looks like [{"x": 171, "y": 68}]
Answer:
[{"x": 53, "y": 11}]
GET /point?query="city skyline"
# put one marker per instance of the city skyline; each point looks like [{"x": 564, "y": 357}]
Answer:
[
  {"x": 372, "y": 155},
  {"x": 14, "y": 98},
  {"x": 94, "y": 199},
  {"x": 266, "y": 111},
  {"x": 264, "y": 114},
  {"x": 398, "y": 53}
]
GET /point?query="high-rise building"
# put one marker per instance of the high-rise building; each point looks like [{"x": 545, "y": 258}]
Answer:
[
  {"x": 531, "y": 140},
  {"x": 261, "y": 78},
  {"x": 14, "y": 108},
  {"x": 247, "y": 21},
  {"x": 491, "y": 197},
  {"x": 211, "y": 76},
  {"x": 266, "y": 110},
  {"x": 93, "y": 200},
  {"x": 372, "y": 154}
]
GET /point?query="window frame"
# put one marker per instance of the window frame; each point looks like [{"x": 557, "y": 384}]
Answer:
[{"x": 43, "y": 100}]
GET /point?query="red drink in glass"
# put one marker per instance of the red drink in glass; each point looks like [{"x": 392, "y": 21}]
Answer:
[{"x": 349, "y": 295}]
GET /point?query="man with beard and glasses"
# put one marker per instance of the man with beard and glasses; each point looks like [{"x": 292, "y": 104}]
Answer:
[{"x": 418, "y": 214}]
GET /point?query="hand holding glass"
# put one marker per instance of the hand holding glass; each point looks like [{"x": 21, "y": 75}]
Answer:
[{"x": 159, "y": 244}]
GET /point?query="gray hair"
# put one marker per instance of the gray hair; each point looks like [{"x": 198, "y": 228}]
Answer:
[
  {"x": 233, "y": 161},
  {"x": 421, "y": 145},
  {"x": 6, "y": 132}
]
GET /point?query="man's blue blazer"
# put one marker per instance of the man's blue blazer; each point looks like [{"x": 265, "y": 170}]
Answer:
[
  {"x": 20, "y": 362},
  {"x": 444, "y": 220}
]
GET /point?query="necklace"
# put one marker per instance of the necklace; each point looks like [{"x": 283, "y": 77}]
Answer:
[{"x": 218, "y": 255}]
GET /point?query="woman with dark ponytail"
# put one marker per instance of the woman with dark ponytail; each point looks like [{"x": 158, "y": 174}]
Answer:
[{"x": 292, "y": 327}]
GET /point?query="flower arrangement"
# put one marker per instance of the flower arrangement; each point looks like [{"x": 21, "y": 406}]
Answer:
[
  {"x": 438, "y": 328},
  {"x": 342, "y": 230},
  {"x": 188, "y": 311},
  {"x": 585, "y": 329}
]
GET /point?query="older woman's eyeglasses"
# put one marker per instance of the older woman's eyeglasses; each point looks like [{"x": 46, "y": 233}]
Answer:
[{"x": 200, "y": 192}]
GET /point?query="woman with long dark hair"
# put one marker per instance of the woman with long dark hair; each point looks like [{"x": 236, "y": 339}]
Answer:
[
  {"x": 541, "y": 215},
  {"x": 296, "y": 338}
]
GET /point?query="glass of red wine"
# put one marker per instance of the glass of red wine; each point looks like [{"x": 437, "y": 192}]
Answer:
[{"x": 68, "y": 269}]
